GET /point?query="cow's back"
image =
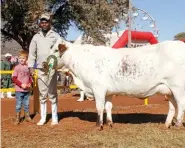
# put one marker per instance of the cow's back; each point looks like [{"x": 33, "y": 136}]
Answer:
[
  {"x": 126, "y": 70},
  {"x": 174, "y": 50}
]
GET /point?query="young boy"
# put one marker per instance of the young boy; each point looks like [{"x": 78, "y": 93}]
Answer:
[{"x": 22, "y": 79}]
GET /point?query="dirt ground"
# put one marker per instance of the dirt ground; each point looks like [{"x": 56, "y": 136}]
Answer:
[
  {"x": 78, "y": 119},
  {"x": 68, "y": 103}
]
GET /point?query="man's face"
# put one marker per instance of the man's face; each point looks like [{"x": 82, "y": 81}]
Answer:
[{"x": 45, "y": 25}]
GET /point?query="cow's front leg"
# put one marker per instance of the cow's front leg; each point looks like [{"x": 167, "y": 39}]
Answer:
[
  {"x": 108, "y": 108},
  {"x": 100, "y": 103}
]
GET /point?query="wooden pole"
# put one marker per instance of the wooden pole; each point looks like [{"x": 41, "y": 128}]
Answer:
[{"x": 36, "y": 103}]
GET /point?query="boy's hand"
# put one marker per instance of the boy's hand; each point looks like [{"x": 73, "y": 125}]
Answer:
[
  {"x": 23, "y": 86},
  {"x": 29, "y": 85}
]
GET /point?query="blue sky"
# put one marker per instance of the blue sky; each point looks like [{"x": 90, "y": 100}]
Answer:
[{"x": 169, "y": 16}]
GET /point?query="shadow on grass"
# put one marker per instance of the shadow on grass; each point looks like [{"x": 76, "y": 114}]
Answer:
[{"x": 132, "y": 118}]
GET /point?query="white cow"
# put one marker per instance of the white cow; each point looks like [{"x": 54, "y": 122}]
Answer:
[{"x": 139, "y": 72}]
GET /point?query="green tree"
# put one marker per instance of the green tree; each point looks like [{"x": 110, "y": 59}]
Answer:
[
  {"x": 18, "y": 20},
  {"x": 179, "y": 36},
  {"x": 97, "y": 17},
  {"x": 93, "y": 17}
]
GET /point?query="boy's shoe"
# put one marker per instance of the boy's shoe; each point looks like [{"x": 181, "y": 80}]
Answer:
[
  {"x": 27, "y": 117},
  {"x": 17, "y": 120}
]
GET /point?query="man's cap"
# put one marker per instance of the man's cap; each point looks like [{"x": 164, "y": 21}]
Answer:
[
  {"x": 45, "y": 17},
  {"x": 7, "y": 55}
]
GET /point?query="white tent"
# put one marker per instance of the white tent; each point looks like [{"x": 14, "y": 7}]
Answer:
[{"x": 114, "y": 36}]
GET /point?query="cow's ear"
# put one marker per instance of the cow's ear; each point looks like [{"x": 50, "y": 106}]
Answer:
[{"x": 62, "y": 48}]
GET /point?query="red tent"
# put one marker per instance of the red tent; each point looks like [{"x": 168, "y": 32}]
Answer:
[
  {"x": 182, "y": 40},
  {"x": 135, "y": 35}
]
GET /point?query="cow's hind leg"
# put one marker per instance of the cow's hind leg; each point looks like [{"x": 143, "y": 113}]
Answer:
[
  {"x": 108, "y": 108},
  {"x": 100, "y": 103},
  {"x": 179, "y": 96},
  {"x": 181, "y": 109},
  {"x": 171, "y": 112}
]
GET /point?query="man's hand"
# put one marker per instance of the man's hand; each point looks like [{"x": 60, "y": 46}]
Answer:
[
  {"x": 32, "y": 70},
  {"x": 24, "y": 86}
]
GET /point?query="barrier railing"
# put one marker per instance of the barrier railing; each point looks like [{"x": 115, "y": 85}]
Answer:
[{"x": 6, "y": 89}]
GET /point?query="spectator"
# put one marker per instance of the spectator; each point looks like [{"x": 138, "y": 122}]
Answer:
[
  {"x": 6, "y": 78},
  {"x": 2, "y": 68},
  {"x": 14, "y": 61}
]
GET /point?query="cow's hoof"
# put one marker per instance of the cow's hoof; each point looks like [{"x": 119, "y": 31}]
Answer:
[
  {"x": 110, "y": 123},
  {"x": 90, "y": 99},
  {"x": 178, "y": 124},
  {"x": 101, "y": 128},
  {"x": 167, "y": 125}
]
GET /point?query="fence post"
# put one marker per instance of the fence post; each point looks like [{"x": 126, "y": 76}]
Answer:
[{"x": 36, "y": 104}]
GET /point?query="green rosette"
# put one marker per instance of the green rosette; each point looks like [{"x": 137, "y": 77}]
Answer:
[{"x": 52, "y": 61}]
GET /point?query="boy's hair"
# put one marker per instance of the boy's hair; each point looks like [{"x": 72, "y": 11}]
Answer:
[{"x": 23, "y": 53}]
